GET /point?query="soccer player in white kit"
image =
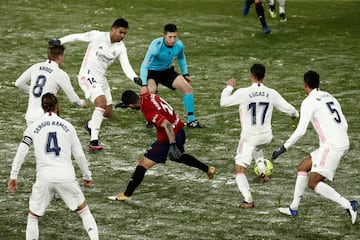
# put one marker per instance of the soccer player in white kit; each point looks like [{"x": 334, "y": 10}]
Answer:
[
  {"x": 256, "y": 104},
  {"x": 329, "y": 122},
  {"x": 282, "y": 14},
  {"x": 103, "y": 49},
  {"x": 46, "y": 77},
  {"x": 55, "y": 141}
]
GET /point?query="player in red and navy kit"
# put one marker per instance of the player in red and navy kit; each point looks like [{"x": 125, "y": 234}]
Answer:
[{"x": 170, "y": 139}]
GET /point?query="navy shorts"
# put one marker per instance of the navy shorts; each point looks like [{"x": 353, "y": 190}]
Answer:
[
  {"x": 158, "y": 151},
  {"x": 165, "y": 77}
]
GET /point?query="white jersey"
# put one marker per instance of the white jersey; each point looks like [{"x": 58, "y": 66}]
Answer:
[
  {"x": 327, "y": 118},
  {"x": 44, "y": 77},
  {"x": 55, "y": 141},
  {"x": 100, "y": 54},
  {"x": 256, "y": 104}
]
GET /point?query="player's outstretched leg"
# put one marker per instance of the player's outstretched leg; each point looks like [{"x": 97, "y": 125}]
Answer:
[
  {"x": 261, "y": 15},
  {"x": 247, "y": 4}
]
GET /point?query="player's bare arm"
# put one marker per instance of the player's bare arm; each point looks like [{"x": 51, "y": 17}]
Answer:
[{"x": 169, "y": 130}]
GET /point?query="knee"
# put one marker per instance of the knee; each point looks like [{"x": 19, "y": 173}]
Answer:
[
  {"x": 33, "y": 215},
  {"x": 81, "y": 207},
  {"x": 312, "y": 185},
  {"x": 107, "y": 114}
]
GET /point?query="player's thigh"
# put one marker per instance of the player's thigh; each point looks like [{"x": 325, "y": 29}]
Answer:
[
  {"x": 325, "y": 161},
  {"x": 71, "y": 194},
  {"x": 181, "y": 84},
  {"x": 107, "y": 93},
  {"x": 152, "y": 86},
  {"x": 41, "y": 195},
  {"x": 158, "y": 151},
  {"x": 244, "y": 153}
]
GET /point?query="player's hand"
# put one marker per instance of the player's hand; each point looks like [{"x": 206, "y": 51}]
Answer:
[
  {"x": 144, "y": 89},
  {"x": 121, "y": 105},
  {"x": 54, "y": 42},
  {"x": 278, "y": 152},
  {"x": 187, "y": 78},
  {"x": 231, "y": 82},
  {"x": 174, "y": 152},
  {"x": 88, "y": 183},
  {"x": 138, "y": 81},
  {"x": 12, "y": 185}
]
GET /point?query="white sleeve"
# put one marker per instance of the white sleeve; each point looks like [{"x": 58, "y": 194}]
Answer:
[
  {"x": 77, "y": 37},
  {"x": 79, "y": 156},
  {"x": 22, "y": 81},
  {"x": 66, "y": 86},
  {"x": 282, "y": 105},
  {"x": 227, "y": 99},
  {"x": 306, "y": 112},
  {"x": 125, "y": 64},
  {"x": 21, "y": 153}
]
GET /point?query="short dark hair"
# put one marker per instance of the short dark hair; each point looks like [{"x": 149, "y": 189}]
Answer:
[
  {"x": 312, "y": 79},
  {"x": 129, "y": 97},
  {"x": 48, "y": 102},
  {"x": 170, "y": 27},
  {"x": 55, "y": 51},
  {"x": 258, "y": 70},
  {"x": 120, "y": 22}
]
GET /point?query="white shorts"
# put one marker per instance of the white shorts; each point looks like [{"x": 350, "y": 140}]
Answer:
[
  {"x": 325, "y": 161},
  {"x": 43, "y": 192},
  {"x": 246, "y": 148},
  {"x": 92, "y": 89}
]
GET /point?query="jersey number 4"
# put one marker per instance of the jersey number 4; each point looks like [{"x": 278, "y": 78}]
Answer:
[
  {"x": 254, "y": 107},
  {"x": 52, "y": 145}
]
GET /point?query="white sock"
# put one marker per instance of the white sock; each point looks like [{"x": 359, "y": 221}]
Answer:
[
  {"x": 96, "y": 120},
  {"x": 260, "y": 164},
  {"x": 243, "y": 186},
  {"x": 32, "y": 228},
  {"x": 258, "y": 155},
  {"x": 89, "y": 223},
  {"x": 328, "y": 192},
  {"x": 281, "y": 6},
  {"x": 271, "y": 2},
  {"x": 300, "y": 186}
]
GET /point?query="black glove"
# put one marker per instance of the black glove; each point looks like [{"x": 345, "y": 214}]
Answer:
[
  {"x": 121, "y": 105},
  {"x": 174, "y": 152},
  {"x": 278, "y": 152},
  {"x": 54, "y": 42},
  {"x": 138, "y": 81},
  {"x": 187, "y": 78}
]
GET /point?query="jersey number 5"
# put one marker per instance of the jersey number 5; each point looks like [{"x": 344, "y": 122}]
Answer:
[
  {"x": 333, "y": 110},
  {"x": 52, "y": 144}
]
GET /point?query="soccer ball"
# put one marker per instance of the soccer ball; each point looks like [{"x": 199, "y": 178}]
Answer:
[{"x": 268, "y": 168}]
